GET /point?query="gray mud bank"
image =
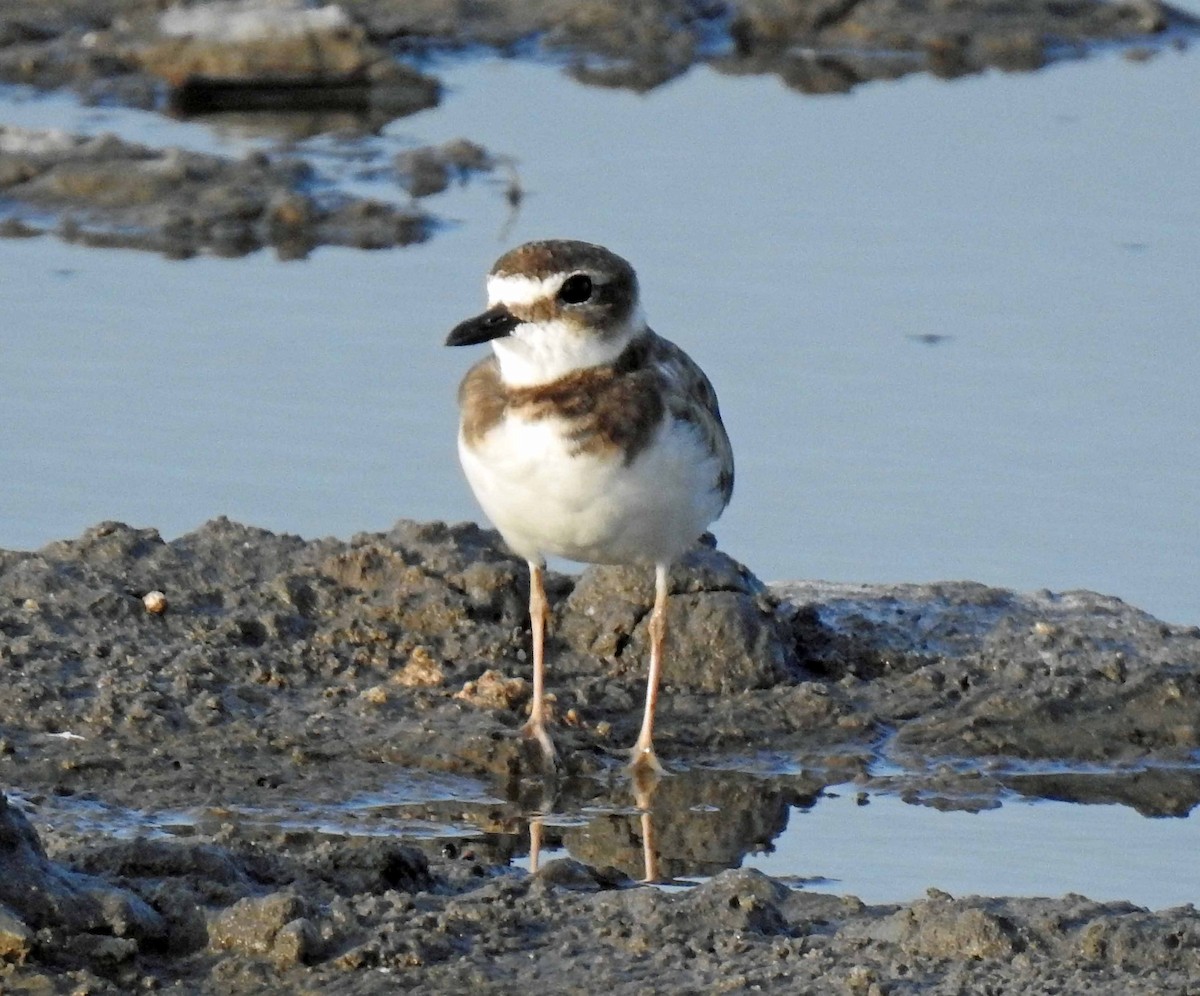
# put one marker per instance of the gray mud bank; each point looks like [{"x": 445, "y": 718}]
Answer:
[{"x": 211, "y": 749}]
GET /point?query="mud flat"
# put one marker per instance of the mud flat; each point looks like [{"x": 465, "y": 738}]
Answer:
[
  {"x": 128, "y": 49},
  {"x": 201, "y": 742},
  {"x": 107, "y": 192}
]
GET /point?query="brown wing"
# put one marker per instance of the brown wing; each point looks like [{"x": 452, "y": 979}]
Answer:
[{"x": 693, "y": 399}]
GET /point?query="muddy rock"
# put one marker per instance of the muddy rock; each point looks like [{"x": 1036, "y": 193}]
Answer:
[
  {"x": 430, "y": 169},
  {"x": 723, "y": 633},
  {"x": 567, "y": 873},
  {"x": 741, "y": 900},
  {"x": 119, "y": 48},
  {"x": 282, "y": 622},
  {"x": 1150, "y": 791},
  {"x": 16, "y": 939},
  {"x": 273, "y": 925},
  {"x": 979, "y": 671},
  {"x": 218, "y": 55},
  {"x": 36, "y": 892},
  {"x": 739, "y": 930},
  {"x": 937, "y": 928},
  {"x": 115, "y": 193},
  {"x": 259, "y": 624},
  {"x": 227, "y": 38},
  {"x": 292, "y": 70},
  {"x": 869, "y": 23},
  {"x": 1089, "y": 940},
  {"x": 418, "y": 638},
  {"x": 817, "y": 46}
]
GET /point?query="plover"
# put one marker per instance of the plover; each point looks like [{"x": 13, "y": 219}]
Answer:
[{"x": 587, "y": 436}]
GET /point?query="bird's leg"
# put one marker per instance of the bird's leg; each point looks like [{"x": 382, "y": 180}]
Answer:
[
  {"x": 535, "y": 727},
  {"x": 643, "y": 751}
]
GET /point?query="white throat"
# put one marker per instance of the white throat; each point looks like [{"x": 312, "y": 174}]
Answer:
[{"x": 542, "y": 352}]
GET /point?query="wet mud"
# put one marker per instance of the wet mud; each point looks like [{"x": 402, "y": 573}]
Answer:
[
  {"x": 293, "y": 70},
  {"x": 110, "y": 193},
  {"x": 240, "y": 761},
  {"x": 128, "y": 49}
]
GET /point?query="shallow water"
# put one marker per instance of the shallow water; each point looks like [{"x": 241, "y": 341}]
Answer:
[
  {"x": 845, "y": 841},
  {"x": 1046, "y": 224},
  {"x": 887, "y": 851}
]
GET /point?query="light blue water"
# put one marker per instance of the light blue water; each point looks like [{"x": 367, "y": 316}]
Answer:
[
  {"x": 1049, "y": 224},
  {"x": 889, "y": 851},
  {"x": 886, "y": 851}
]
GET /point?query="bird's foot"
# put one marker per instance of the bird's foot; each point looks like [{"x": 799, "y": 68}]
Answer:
[
  {"x": 643, "y": 761},
  {"x": 535, "y": 730}
]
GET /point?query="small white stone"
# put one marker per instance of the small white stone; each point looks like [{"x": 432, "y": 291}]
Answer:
[{"x": 155, "y": 601}]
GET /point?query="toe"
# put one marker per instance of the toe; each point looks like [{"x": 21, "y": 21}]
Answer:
[
  {"x": 643, "y": 761},
  {"x": 537, "y": 732}
]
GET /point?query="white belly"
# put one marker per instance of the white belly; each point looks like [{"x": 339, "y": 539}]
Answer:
[{"x": 593, "y": 508}]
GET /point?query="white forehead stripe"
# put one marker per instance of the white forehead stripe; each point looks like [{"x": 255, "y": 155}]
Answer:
[{"x": 517, "y": 289}]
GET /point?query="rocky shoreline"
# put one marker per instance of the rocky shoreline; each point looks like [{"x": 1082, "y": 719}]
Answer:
[
  {"x": 128, "y": 49},
  {"x": 190, "y": 687}
]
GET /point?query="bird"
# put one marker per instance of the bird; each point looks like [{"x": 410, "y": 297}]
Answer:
[{"x": 585, "y": 435}]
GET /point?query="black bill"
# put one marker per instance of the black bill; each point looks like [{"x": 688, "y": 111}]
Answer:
[{"x": 492, "y": 324}]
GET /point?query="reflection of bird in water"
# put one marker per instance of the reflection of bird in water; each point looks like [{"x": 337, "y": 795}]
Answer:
[
  {"x": 644, "y": 785},
  {"x": 643, "y": 796},
  {"x": 694, "y": 824},
  {"x": 587, "y": 436}
]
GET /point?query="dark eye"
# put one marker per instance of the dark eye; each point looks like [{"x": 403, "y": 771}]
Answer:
[{"x": 575, "y": 289}]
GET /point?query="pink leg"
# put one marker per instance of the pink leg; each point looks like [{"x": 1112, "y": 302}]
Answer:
[
  {"x": 535, "y": 728},
  {"x": 643, "y": 750}
]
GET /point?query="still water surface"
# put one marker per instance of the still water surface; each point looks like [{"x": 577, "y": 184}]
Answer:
[
  {"x": 888, "y": 851},
  {"x": 874, "y": 846},
  {"x": 1047, "y": 225}
]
